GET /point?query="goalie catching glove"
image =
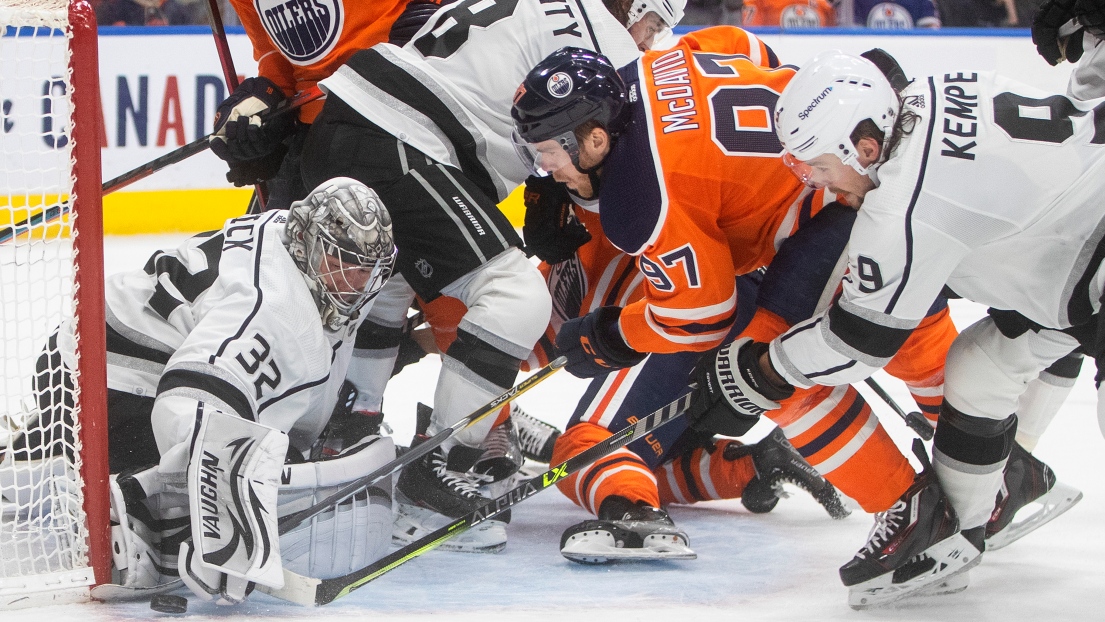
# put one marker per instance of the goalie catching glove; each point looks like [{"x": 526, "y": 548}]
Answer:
[
  {"x": 551, "y": 230},
  {"x": 732, "y": 389},
  {"x": 254, "y": 150},
  {"x": 594, "y": 345},
  {"x": 233, "y": 476}
]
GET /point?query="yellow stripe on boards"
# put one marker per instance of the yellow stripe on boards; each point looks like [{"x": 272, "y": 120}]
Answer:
[{"x": 165, "y": 211}]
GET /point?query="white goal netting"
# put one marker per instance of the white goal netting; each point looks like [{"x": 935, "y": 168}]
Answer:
[{"x": 43, "y": 527}]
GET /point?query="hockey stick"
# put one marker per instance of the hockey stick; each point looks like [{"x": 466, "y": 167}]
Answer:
[
  {"x": 291, "y": 521},
  {"x": 196, "y": 146},
  {"x": 915, "y": 420},
  {"x": 46, "y": 216},
  {"x": 223, "y": 48},
  {"x": 231, "y": 77},
  {"x": 309, "y": 591}
]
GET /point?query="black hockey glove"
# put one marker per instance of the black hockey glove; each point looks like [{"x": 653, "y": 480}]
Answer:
[
  {"x": 593, "y": 344},
  {"x": 239, "y": 134},
  {"x": 1046, "y": 26},
  {"x": 551, "y": 230},
  {"x": 1091, "y": 14},
  {"x": 250, "y": 172},
  {"x": 732, "y": 390}
]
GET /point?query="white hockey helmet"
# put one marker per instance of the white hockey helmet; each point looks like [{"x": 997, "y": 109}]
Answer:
[
  {"x": 671, "y": 11},
  {"x": 341, "y": 238},
  {"x": 825, "y": 101}
]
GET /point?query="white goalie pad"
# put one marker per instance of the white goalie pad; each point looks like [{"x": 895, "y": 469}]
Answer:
[
  {"x": 233, "y": 476},
  {"x": 349, "y": 536}
]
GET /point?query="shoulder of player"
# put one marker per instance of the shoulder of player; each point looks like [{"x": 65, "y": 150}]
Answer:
[{"x": 631, "y": 199}]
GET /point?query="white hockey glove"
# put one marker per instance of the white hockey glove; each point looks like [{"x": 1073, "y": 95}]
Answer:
[
  {"x": 733, "y": 390},
  {"x": 233, "y": 477}
]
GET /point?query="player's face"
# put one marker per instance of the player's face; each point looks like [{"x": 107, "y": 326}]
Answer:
[
  {"x": 646, "y": 30},
  {"x": 346, "y": 281},
  {"x": 828, "y": 171}
]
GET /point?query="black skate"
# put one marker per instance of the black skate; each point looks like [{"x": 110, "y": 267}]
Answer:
[
  {"x": 625, "y": 532},
  {"x": 502, "y": 455},
  {"x": 535, "y": 437},
  {"x": 777, "y": 462},
  {"x": 435, "y": 489},
  {"x": 914, "y": 546},
  {"x": 1027, "y": 482}
]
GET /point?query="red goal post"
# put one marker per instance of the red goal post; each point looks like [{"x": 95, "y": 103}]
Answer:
[{"x": 54, "y": 502}]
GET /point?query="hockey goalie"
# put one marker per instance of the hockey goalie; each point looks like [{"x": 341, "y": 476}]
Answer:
[{"x": 226, "y": 409}]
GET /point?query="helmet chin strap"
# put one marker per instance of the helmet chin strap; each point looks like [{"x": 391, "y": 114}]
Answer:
[{"x": 592, "y": 174}]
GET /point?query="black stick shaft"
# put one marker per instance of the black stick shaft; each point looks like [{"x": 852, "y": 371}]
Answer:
[{"x": 915, "y": 420}]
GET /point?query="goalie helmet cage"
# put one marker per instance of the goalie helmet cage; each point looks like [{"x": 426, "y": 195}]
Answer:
[{"x": 54, "y": 503}]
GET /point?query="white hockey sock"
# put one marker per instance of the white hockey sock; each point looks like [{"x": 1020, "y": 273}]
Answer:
[{"x": 971, "y": 488}]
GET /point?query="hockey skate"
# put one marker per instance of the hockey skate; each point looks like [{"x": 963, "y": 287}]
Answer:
[
  {"x": 502, "y": 455},
  {"x": 777, "y": 462},
  {"x": 915, "y": 548},
  {"x": 1031, "y": 486},
  {"x": 413, "y": 522},
  {"x": 535, "y": 437},
  {"x": 434, "y": 490},
  {"x": 625, "y": 532}
]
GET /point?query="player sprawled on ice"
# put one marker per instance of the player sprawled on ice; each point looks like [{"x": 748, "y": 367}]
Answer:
[
  {"x": 1024, "y": 236},
  {"x": 568, "y": 98},
  {"x": 833, "y": 427},
  {"x": 225, "y": 361},
  {"x": 427, "y": 126}
]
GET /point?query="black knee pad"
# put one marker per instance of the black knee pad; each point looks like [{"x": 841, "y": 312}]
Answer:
[
  {"x": 373, "y": 336},
  {"x": 974, "y": 440},
  {"x": 487, "y": 361}
]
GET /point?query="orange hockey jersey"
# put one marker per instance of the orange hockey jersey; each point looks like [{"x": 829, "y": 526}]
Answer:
[
  {"x": 695, "y": 186},
  {"x": 298, "y": 42},
  {"x": 788, "y": 13}
]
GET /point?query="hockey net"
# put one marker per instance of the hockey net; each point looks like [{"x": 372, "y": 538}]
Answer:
[{"x": 54, "y": 536}]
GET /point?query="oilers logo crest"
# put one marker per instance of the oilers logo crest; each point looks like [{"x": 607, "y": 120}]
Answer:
[
  {"x": 303, "y": 30},
  {"x": 560, "y": 85},
  {"x": 889, "y": 16},
  {"x": 799, "y": 16}
]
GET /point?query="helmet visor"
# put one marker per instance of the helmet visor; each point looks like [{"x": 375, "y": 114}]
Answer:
[
  {"x": 804, "y": 172},
  {"x": 547, "y": 156}
]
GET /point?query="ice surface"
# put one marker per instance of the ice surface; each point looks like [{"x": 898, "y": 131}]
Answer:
[{"x": 777, "y": 566}]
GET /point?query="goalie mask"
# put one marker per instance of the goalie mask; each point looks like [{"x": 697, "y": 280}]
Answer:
[
  {"x": 567, "y": 89},
  {"x": 340, "y": 237},
  {"x": 823, "y": 104}
]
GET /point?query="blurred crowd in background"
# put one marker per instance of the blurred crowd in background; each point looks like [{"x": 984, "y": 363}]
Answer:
[{"x": 788, "y": 14}]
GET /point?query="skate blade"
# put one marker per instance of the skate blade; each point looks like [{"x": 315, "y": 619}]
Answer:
[
  {"x": 950, "y": 557},
  {"x": 599, "y": 547},
  {"x": 413, "y": 522},
  {"x": 112, "y": 593},
  {"x": 1049, "y": 506},
  {"x": 952, "y": 585},
  {"x": 483, "y": 538}
]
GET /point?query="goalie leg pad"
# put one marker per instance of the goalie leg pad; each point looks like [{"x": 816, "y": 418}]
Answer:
[
  {"x": 349, "y": 536},
  {"x": 233, "y": 476}
]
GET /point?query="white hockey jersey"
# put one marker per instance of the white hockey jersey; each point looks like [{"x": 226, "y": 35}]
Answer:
[
  {"x": 226, "y": 319},
  {"x": 449, "y": 91},
  {"x": 998, "y": 192}
]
